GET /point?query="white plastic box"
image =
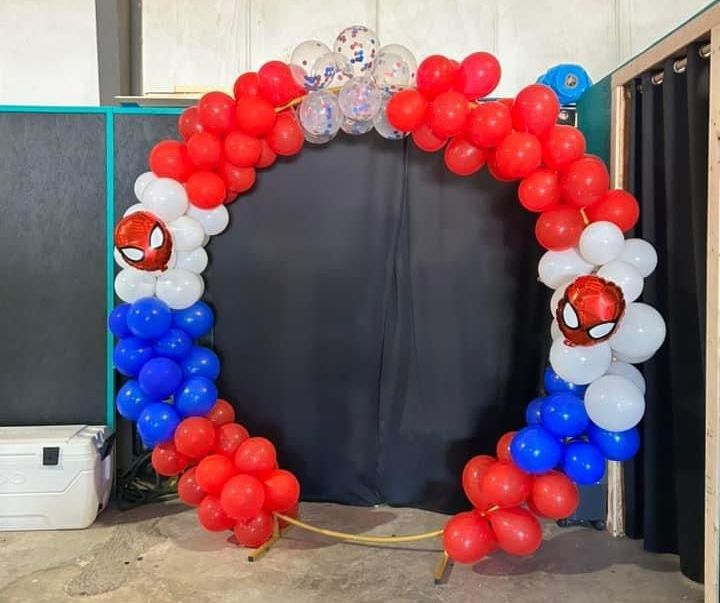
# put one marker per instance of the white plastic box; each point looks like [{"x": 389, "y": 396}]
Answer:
[{"x": 54, "y": 477}]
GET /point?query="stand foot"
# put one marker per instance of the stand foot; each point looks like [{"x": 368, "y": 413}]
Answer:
[
  {"x": 441, "y": 569},
  {"x": 255, "y": 554}
]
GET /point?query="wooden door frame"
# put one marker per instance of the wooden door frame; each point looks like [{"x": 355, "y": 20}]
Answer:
[{"x": 703, "y": 27}]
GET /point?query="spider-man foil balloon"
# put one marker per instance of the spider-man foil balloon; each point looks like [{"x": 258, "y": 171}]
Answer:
[
  {"x": 590, "y": 310},
  {"x": 143, "y": 241}
]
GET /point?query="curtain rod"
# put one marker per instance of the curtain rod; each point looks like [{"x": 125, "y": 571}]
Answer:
[{"x": 680, "y": 65}]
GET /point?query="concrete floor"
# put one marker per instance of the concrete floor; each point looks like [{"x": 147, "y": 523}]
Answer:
[{"x": 159, "y": 554}]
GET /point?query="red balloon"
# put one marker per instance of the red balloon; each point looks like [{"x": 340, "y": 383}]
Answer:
[
  {"x": 237, "y": 179},
  {"x": 222, "y": 412},
  {"x": 255, "y": 115},
  {"x": 518, "y": 154},
  {"x": 211, "y": 515},
  {"x": 559, "y": 228},
  {"x": 540, "y": 190},
  {"x": 493, "y": 168},
  {"x": 205, "y": 189},
  {"x": 241, "y": 149},
  {"x": 425, "y": 140},
  {"x": 406, "y": 110},
  {"x": 255, "y": 531},
  {"x": 213, "y": 472},
  {"x": 228, "y": 438},
  {"x": 561, "y": 146},
  {"x": 517, "y": 530},
  {"x": 472, "y": 475},
  {"x": 205, "y": 150},
  {"x": 169, "y": 159},
  {"x": 194, "y": 437},
  {"x": 216, "y": 112},
  {"x": 478, "y": 75},
  {"x": 267, "y": 156},
  {"x": 554, "y": 495},
  {"x": 584, "y": 182},
  {"x": 255, "y": 454},
  {"x": 448, "y": 113},
  {"x": 277, "y": 84},
  {"x": 282, "y": 491},
  {"x": 503, "y": 446},
  {"x": 467, "y": 538},
  {"x": 618, "y": 207},
  {"x": 166, "y": 460},
  {"x": 247, "y": 83},
  {"x": 286, "y": 137},
  {"x": 293, "y": 512},
  {"x": 188, "y": 123},
  {"x": 242, "y": 497},
  {"x": 505, "y": 485},
  {"x": 464, "y": 158},
  {"x": 488, "y": 124},
  {"x": 189, "y": 491},
  {"x": 535, "y": 109},
  {"x": 434, "y": 75}
]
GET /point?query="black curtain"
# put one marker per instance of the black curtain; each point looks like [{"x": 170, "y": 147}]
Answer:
[
  {"x": 379, "y": 318},
  {"x": 668, "y": 170}
]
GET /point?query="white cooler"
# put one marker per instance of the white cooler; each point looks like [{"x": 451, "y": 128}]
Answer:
[{"x": 54, "y": 477}]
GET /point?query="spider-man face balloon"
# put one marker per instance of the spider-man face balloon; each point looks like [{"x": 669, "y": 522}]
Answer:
[
  {"x": 143, "y": 241},
  {"x": 590, "y": 310}
]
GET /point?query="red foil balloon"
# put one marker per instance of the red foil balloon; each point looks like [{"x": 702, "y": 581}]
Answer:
[
  {"x": 425, "y": 140},
  {"x": 584, "y": 182},
  {"x": 169, "y": 159},
  {"x": 559, "y": 228},
  {"x": 205, "y": 189},
  {"x": 488, "y": 124},
  {"x": 286, "y": 137},
  {"x": 561, "y": 146},
  {"x": 478, "y": 75},
  {"x": 517, "y": 530},
  {"x": 468, "y": 537},
  {"x": 213, "y": 472},
  {"x": 505, "y": 485},
  {"x": 535, "y": 109},
  {"x": 518, "y": 155},
  {"x": 167, "y": 461},
  {"x": 472, "y": 476},
  {"x": 216, "y": 112},
  {"x": 254, "y": 115},
  {"x": 590, "y": 310},
  {"x": 255, "y": 531},
  {"x": 189, "y": 123},
  {"x": 205, "y": 150},
  {"x": 242, "y": 497},
  {"x": 406, "y": 110},
  {"x": 554, "y": 496},
  {"x": 540, "y": 190},
  {"x": 464, "y": 158},
  {"x": 277, "y": 84},
  {"x": 143, "y": 241},
  {"x": 247, "y": 83},
  {"x": 222, "y": 412},
  {"x": 211, "y": 515},
  {"x": 189, "y": 491},
  {"x": 448, "y": 113},
  {"x": 282, "y": 491},
  {"x": 618, "y": 207},
  {"x": 435, "y": 74}
]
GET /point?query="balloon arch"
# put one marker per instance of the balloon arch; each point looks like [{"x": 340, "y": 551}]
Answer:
[{"x": 594, "y": 395}]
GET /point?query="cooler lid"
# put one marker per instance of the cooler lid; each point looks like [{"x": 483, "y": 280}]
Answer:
[{"x": 73, "y": 439}]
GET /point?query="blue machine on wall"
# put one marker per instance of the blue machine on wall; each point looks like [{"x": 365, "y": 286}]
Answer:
[{"x": 569, "y": 81}]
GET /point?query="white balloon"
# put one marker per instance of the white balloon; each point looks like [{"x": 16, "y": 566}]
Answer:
[
  {"x": 580, "y": 364},
  {"x": 213, "y": 221},
  {"x": 601, "y": 242},
  {"x": 640, "y": 254},
  {"x": 558, "y": 267},
  {"x": 141, "y": 183},
  {"x": 179, "y": 289},
  {"x": 623, "y": 369},
  {"x": 166, "y": 198},
  {"x": 639, "y": 335},
  {"x": 119, "y": 260},
  {"x": 614, "y": 403},
  {"x": 187, "y": 233},
  {"x": 194, "y": 261},
  {"x": 557, "y": 296},
  {"x": 132, "y": 284},
  {"x": 555, "y": 331},
  {"x": 206, "y": 240},
  {"x": 133, "y": 208},
  {"x": 625, "y": 276}
]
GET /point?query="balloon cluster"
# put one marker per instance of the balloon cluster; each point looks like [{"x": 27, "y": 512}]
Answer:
[{"x": 568, "y": 81}]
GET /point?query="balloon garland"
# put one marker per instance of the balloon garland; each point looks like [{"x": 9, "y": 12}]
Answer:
[{"x": 594, "y": 396}]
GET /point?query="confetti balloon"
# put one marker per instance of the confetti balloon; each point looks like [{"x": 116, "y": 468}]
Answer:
[
  {"x": 360, "y": 99},
  {"x": 391, "y": 72},
  {"x": 407, "y": 57},
  {"x": 355, "y": 128},
  {"x": 359, "y": 45},
  {"x": 383, "y": 125},
  {"x": 320, "y": 115},
  {"x": 303, "y": 60}
]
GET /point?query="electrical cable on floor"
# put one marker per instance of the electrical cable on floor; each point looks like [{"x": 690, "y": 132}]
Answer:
[{"x": 140, "y": 485}]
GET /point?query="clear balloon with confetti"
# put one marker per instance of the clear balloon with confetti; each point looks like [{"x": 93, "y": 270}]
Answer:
[
  {"x": 302, "y": 63},
  {"x": 356, "y": 128},
  {"x": 408, "y": 58},
  {"x": 391, "y": 72},
  {"x": 359, "y": 45},
  {"x": 383, "y": 126},
  {"x": 320, "y": 115},
  {"x": 360, "y": 99}
]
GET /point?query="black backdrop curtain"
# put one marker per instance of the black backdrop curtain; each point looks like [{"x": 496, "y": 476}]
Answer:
[
  {"x": 379, "y": 318},
  {"x": 665, "y": 485}
]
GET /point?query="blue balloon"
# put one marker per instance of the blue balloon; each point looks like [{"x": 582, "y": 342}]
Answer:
[
  {"x": 160, "y": 377},
  {"x": 532, "y": 412},
  {"x": 130, "y": 400},
  {"x": 554, "y": 384},
  {"x": 175, "y": 344},
  {"x": 535, "y": 450},
  {"x": 157, "y": 423},
  {"x": 117, "y": 321},
  {"x": 196, "y": 321},
  {"x": 615, "y": 445},
  {"x": 583, "y": 463},
  {"x": 202, "y": 362},
  {"x": 130, "y": 354},
  {"x": 149, "y": 318},
  {"x": 563, "y": 414},
  {"x": 196, "y": 397}
]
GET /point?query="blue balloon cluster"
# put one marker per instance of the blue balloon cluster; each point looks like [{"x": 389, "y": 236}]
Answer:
[
  {"x": 560, "y": 435},
  {"x": 569, "y": 81},
  {"x": 170, "y": 376}
]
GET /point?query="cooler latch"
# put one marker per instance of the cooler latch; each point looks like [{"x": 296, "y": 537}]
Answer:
[{"x": 51, "y": 455}]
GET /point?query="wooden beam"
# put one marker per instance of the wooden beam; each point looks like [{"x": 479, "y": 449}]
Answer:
[
  {"x": 675, "y": 42},
  {"x": 712, "y": 335}
]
